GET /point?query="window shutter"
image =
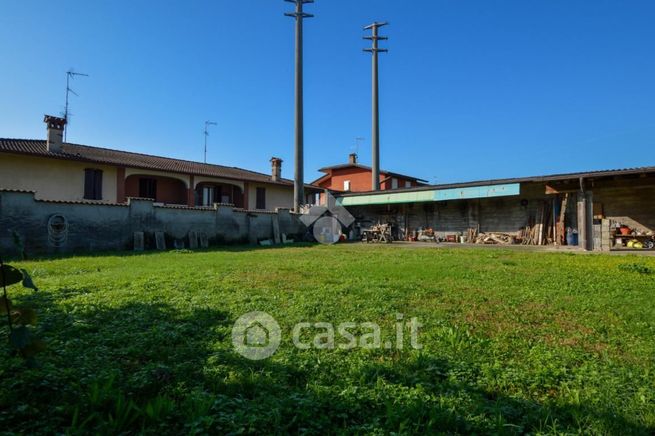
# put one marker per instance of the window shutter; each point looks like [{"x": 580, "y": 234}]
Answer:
[
  {"x": 153, "y": 189},
  {"x": 261, "y": 198},
  {"x": 88, "y": 184},
  {"x": 218, "y": 194},
  {"x": 97, "y": 185}
]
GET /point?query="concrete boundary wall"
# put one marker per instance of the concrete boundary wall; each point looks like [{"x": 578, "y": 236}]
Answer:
[{"x": 51, "y": 227}]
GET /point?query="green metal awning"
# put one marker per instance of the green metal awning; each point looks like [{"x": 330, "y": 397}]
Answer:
[{"x": 471, "y": 192}]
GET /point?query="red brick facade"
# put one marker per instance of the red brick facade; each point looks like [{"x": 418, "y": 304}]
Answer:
[{"x": 354, "y": 177}]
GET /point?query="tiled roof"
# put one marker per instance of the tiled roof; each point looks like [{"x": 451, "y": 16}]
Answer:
[
  {"x": 367, "y": 168},
  {"x": 107, "y": 156}
]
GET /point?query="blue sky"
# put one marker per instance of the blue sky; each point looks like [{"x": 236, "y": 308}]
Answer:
[{"x": 470, "y": 89}]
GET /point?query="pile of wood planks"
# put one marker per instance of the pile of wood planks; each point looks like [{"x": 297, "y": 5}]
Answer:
[
  {"x": 472, "y": 234},
  {"x": 548, "y": 225},
  {"x": 545, "y": 226},
  {"x": 495, "y": 238}
]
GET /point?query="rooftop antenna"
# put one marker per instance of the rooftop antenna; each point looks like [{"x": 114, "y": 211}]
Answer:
[
  {"x": 207, "y": 124},
  {"x": 358, "y": 142},
  {"x": 70, "y": 74},
  {"x": 375, "y": 136}
]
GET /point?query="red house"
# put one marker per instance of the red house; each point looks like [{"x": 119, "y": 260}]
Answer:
[{"x": 355, "y": 177}]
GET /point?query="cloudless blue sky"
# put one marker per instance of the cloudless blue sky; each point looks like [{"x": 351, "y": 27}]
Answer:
[{"x": 469, "y": 90}]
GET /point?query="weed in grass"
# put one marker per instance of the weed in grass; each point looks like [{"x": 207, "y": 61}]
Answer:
[{"x": 635, "y": 267}]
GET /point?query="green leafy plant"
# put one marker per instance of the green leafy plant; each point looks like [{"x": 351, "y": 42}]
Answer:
[
  {"x": 635, "y": 267},
  {"x": 22, "y": 319}
]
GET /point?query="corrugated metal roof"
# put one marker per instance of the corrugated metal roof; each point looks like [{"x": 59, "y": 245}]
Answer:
[
  {"x": 108, "y": 156},
  {"x": 546, "y": 178}
]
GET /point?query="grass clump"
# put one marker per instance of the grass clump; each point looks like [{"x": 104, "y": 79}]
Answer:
[{"x": 636, "y": 267}]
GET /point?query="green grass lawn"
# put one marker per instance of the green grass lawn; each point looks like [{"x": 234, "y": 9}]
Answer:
[{"x": 513, "y": 342}]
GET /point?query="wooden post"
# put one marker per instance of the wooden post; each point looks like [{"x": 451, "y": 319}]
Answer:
[
  {"x": 561, "y": 225},
  {"x": 589, "y": 220}
]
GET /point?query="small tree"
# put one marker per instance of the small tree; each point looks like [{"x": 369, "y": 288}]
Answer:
[{"x": 21, "y": 320}]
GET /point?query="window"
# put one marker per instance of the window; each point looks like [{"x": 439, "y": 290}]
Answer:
[
  {"x": 208, "y": 196},
  {"x": 92, "y": 184},
  {"x": 394, "y": 183},
  {"x": 261, "y": 198},
  {"x": 346, "y": 185},
  {"x": 148, "y": 188},
  {"x": 408, "y": 184}
]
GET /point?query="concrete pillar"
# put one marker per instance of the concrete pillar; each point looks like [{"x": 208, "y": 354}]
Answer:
[
  {"x": 246, "y": 188},
  {"x": 191, "y": 193},
  {"x": 582, "y": 220},
  {"x": 585, "y": 228}
]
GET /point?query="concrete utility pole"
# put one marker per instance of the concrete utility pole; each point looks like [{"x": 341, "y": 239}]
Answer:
[
  {"x": 375, "y": 135},
  {"x": 299, "y": 176}
]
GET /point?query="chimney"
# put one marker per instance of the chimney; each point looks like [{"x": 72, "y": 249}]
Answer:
[
  {"x": 55, "y": 132},
  {"x": 276, "y": 168},
  {"x": 352, "y": 158}
]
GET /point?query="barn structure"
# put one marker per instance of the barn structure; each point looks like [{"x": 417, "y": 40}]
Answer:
[{"x": 597, "y": 210}]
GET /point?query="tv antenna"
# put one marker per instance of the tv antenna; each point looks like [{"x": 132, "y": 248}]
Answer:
[
  {"x": 358, "y": 142},
  {"x": 70, "y": 74},
  {"x": 207, "y": 124}
]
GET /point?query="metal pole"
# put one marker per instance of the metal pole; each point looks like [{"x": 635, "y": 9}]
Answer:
[
  {"x": 299, "y": 177},
  {"x": 207, "y": 124},
  {"x": 68, "y": 76},
  {"x": 375, "y": 133}
]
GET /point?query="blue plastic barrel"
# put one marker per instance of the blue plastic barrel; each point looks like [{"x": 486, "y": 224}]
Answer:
[{"x": 571, "y": 238}]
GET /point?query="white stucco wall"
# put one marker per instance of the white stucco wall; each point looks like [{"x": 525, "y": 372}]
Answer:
[
  {"x": 53, "y": 179},
  {"x": 276, "y": 196}
]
